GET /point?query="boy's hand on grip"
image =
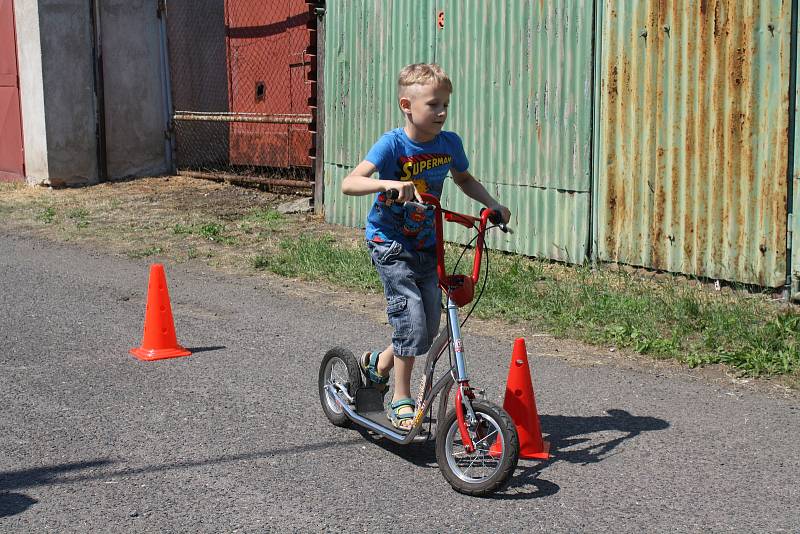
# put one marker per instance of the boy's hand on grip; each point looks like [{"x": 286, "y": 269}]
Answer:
[
  {"x": 407, "y": 191},
  {"x": 504, "y": 212}
]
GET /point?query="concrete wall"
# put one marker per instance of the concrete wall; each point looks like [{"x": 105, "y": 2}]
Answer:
[
  {"x": 135, "y": 120},
  {"x": 54, "y": 39},
  {"x": 31, "y": 88},
  {"x": 68, "y": 83}
]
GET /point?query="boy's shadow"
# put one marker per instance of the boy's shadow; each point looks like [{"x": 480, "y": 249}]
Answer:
[
  {"x": 563, "y": 432},
  {"x": 14, "y": 503}
]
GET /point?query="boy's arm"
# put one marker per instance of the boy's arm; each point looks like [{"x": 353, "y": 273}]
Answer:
[
  {"x": 475, "y": 190},
  {"x": 360, "y": 182}
]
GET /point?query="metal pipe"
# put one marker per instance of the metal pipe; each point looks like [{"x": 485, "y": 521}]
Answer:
[
  {"x": 166, "y": 89},
  {"x": 788, "y": 290},
  {"x": 99, "y": 93},
  {"x": 375, "y": 427},
  {"x": 319, "y": 135},
  {"x": 221, "y": 177},
  {"x": 458, "y": 348},
  {"x": 285, "y": 118}
]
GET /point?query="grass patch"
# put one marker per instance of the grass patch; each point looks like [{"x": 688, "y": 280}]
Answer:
[
  {"x": 322, "y": 258},
  {"x": 211, "y": 231},
  {"x": 266, "y": 216},
  {"x": 181, "y": 229},
  {"x": 145, "y": 252},
  {"x": 606, "y": 306},
  {"x": 667, "y": 319}
]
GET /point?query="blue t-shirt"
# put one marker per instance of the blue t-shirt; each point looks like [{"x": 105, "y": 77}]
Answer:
[{"x": 426, "y": 164}]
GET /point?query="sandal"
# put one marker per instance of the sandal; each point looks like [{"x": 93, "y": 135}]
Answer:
[
  {"x": 398, "y": 418},
  {"x": 369, "y": 365}
]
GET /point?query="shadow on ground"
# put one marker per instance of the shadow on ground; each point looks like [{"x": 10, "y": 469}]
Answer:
[
  {"x": 569, "y": 442},
  {"x": 14, "y": 503}
]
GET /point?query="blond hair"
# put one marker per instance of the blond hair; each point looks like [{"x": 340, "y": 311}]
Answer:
[{"x": 422, "y": 74}]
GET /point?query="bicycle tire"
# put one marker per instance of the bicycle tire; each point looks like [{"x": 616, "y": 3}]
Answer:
[
  {"x": 350, "y": 379},
  {"x": 503, "y": 458}
]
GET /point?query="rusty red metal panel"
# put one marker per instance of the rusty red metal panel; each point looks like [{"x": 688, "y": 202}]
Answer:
[
  {"x": 12, "y": 163},
  {"x": 267, "y": 44}
]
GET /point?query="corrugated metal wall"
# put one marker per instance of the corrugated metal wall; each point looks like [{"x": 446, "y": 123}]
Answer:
[
  {"x": 522, "y": 73},
  {"x": 522, "y": 103},
  {"x": 690, "y": 127},
  {"x": 366, "y": 45},
  {"x": 694, "y": 137}
]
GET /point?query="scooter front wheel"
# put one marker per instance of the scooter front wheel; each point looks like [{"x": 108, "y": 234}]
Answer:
[
  {"x": 489, "y": 467},
  {"x": 339, "y": 369}
]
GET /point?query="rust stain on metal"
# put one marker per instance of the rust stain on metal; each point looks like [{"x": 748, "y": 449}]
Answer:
[{"x": 693, "y": 143}]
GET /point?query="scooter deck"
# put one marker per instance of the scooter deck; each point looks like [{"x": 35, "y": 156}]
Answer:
[{"x": 370, "y": 405}]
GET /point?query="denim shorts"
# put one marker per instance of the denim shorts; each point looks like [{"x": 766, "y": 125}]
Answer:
[{"x": 413, "y": 297}]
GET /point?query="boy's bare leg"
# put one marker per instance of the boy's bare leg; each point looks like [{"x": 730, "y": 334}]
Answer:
[
  {"x": 386, "y": 361},
  {"x": 403, "y": 366}
]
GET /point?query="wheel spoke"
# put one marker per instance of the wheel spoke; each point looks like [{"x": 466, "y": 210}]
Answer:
[
  {"x": 483, "y": 466},
  {"x": 484, "y": 438}
]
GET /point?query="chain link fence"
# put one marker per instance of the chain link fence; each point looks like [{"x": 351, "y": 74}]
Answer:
[{"x": 242, "y": 83}]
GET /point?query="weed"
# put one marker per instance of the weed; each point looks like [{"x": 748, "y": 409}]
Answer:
[
  {"x": 211, "y": 231},
  {"x": 214, "y": 232},
  {"x": 47, "y": 215},
  {"x": 181, "y": 229},
  {"x": 146, "y": 252},
  {"x": 79, "y": 215}
]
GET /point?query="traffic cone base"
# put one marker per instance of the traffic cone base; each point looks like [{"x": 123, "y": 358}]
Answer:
[
  {"x": 520, "y": 404},
  {"x": 149, "y": 355},
  {"x": 159, "y": 341},
  {"x": 544, "y": 454}
]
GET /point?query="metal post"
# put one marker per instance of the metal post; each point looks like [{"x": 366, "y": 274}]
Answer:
[
  {"x": 166, "y": 89},
  {"x": 319, "y": 161},
  {"x": 99, "y": 93}
]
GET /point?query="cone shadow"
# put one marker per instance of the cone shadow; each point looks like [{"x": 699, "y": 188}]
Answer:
[{"x": 564, "y": 432}]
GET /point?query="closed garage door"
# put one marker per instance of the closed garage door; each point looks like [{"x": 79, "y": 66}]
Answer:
[{"x": 11, "y": 159}]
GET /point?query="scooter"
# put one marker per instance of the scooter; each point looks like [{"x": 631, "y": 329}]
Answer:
[{"x": 477, "y": 447}]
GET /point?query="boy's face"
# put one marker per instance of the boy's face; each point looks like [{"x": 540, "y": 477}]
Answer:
[{"x": 425, "y": 108}]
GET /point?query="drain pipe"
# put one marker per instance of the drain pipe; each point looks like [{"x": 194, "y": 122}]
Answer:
[
  {"x": 166, "y": 89},
  {"x": 790, "y": 291},
  {"x": 99, "y": 93}
]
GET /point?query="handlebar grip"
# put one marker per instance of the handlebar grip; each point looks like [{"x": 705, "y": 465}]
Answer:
[{"x": 494, "y": 216}]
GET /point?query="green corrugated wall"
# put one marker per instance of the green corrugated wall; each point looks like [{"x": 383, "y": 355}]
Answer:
[
  {"x": 522, "y": 104},
  {"x": 655, "y": 132}
]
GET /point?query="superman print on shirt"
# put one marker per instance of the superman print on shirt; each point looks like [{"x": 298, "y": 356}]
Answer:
[{"x": 426, "y": 164}]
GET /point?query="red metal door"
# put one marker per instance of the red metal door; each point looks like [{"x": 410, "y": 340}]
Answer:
[
  {"x": 299, "y": 68},
  {"x": 267, "y": 75},
  {"x": 12, "y": 163}
]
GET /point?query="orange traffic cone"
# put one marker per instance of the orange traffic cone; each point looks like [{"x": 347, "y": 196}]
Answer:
[
  {"x": 159, "y": 330},
  {"x": 520, "y": 404}
]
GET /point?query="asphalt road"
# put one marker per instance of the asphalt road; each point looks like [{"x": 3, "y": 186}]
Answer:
[{"x": 233, "y": 438}]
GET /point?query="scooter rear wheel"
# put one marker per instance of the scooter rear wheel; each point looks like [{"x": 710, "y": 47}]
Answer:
[
  {"x": 496, "y": 454},
  {"x": 339, "y": 368}
]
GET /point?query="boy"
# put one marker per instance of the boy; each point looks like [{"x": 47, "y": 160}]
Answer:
[{"x": 413, "y": 159}]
